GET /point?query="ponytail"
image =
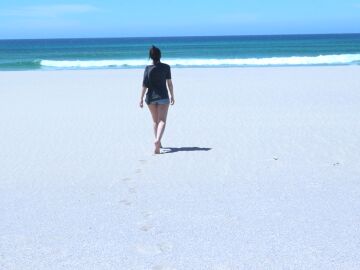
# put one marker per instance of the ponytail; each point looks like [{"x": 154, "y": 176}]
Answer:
[{"x": 155, "y": 54}]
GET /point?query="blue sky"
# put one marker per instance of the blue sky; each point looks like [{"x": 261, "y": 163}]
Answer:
[{"x": 110, "y": 18}]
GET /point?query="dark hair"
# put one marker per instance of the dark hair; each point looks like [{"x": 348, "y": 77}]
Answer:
[{"x": 155, "y": 54}]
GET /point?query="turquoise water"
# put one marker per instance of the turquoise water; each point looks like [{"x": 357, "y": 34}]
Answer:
[{"x": 281, "y": 50}]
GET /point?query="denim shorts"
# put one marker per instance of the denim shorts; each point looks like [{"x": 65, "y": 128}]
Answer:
[{"x": 161, "y": 101}]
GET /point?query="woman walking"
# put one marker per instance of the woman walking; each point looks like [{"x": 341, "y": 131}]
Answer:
[{"x": 157, "y": 82}]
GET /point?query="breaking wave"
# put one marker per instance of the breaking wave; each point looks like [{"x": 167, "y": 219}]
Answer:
[{"x": 340, "y": 59}]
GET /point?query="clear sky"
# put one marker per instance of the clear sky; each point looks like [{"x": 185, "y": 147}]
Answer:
[{"x": 118, "y": 18}]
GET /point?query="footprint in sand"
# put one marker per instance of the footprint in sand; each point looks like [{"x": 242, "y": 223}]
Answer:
[
  {"x": 126, "y": 179},
  {"x": 138, "y": 171},
  {"x": 145, "y": 227},
  {"x": 336, "y": 164},
  {"x": 165, "y": 247},
  {"x": 132, "y": 190},
  {"x": 154, "y": 249},
  {"x": 147, "y": 214},
  {"x": 162, "y": 267},
  {"x": 142, "y": 161},
  {"x": 148, "y": 249},
  {"x": 125, "y": 202},
  {"x": 222, "y": 267}
]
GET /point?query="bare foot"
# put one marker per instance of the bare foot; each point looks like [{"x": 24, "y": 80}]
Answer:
[{"x": 157, "y": 147}]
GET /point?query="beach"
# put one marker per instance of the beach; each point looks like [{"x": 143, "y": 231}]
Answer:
[{"x": 260, "y": 170}]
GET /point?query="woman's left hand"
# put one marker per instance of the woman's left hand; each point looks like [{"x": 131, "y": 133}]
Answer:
[
  {"x": 141, "y": 104},
  {"x": 172, "y": 101}
]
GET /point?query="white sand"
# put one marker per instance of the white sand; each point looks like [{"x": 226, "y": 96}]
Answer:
[{"x": 279, "y": 188}]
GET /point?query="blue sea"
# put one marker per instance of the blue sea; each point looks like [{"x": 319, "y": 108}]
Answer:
[{"x": 214, "y": 51}]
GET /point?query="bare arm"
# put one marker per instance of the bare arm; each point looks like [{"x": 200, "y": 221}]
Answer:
[
  {"x": 143, "y": 91},
  {"x": 171, "y": 90}
]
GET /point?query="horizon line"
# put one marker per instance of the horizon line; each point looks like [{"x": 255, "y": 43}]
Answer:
[{"x": 190, "y": 36}]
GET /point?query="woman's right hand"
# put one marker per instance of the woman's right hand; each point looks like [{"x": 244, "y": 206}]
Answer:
[
  {"x": 172, "y": 101},
  {"x": 141, "y": 104}
]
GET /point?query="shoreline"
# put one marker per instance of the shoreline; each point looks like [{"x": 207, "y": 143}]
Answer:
[{"x": 189, "y": 68}]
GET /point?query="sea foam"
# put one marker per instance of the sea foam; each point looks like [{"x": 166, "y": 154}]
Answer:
[{"x": 340, "y": 59}]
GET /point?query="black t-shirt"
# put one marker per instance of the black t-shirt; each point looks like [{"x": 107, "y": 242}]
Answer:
[{"x": 155, "y": 77}]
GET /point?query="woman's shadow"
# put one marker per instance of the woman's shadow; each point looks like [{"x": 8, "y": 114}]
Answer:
[{"x": 169, "y": 150}]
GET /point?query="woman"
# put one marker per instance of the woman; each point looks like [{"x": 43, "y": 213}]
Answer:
[{"x": 157, "y": 82}]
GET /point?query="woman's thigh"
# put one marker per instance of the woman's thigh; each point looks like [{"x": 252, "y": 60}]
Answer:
[
  {"x": 154, "y": 112},
  {"x": 162, "y": 111}
]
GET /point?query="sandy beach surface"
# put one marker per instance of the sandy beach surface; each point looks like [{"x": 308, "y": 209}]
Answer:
[{"x": 261, "y": 171}]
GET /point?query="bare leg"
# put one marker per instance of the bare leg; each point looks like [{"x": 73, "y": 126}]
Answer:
[
  {"x": 154, "y": 115},
  {"x": 162, "y": 111}
]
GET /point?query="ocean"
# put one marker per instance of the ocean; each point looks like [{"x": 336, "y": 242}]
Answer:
[{"x": 215, "y": 51}]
